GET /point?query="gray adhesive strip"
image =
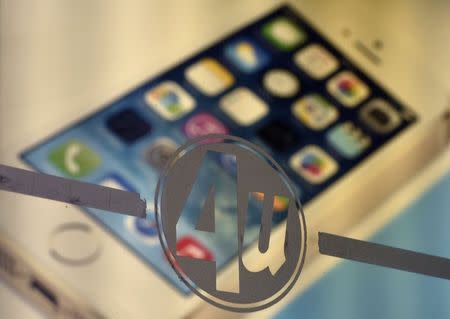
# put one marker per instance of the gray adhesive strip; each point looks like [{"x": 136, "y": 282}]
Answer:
[
  {"x": 71, "y": 191},
  {"x": 376, "y": 254}
]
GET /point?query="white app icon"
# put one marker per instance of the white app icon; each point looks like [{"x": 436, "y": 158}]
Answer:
[
  {"x": 243, "y": 106},
  {"x": 281, "y": 83},
  {"x": 316, "y": 61}
]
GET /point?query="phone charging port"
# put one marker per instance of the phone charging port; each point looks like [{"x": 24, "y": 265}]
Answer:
[{"x": 44, "y": 291}]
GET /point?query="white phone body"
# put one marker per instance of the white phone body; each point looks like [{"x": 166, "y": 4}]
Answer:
[
  {"x": 16, "y": 307},
  {"x": 70, "y": 73}
]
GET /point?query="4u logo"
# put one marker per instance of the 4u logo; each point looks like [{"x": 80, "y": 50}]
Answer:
[{"x": 198, "y": 204}]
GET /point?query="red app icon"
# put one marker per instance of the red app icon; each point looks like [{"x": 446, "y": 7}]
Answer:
[
  {"x": 188, "y": 246},
  {"x": 203, "y": 124}
]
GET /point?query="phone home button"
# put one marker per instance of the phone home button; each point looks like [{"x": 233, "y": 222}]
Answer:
[{"x": 74, "y": 244}]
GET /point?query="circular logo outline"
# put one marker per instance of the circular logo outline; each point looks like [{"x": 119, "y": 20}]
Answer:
[{"x": 219, "y": 138}]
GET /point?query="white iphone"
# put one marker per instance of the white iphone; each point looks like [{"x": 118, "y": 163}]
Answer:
[{"x": 348, "y": 122}]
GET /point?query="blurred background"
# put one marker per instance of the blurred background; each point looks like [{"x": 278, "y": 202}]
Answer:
[{"x": 60, "y": 60}]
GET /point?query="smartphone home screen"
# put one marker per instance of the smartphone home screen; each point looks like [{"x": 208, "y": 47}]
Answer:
[{"x": 275, "y": 82}]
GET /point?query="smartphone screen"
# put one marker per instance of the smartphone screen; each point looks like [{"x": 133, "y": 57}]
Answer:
[
  {"x": 355, "y": 290},
  {"x": 276, "y": 82}
]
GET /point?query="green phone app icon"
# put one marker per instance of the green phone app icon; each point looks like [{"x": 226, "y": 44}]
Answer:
[
  {"x": 283, "y": 33},
  {"x": 74, "y": 159}
]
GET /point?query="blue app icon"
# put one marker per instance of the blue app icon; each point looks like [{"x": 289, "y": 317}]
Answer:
[
  {"x": 146, "y": 227},
  {"x": 246, "y": 55},
  {"x": 348, "y": 140}
]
